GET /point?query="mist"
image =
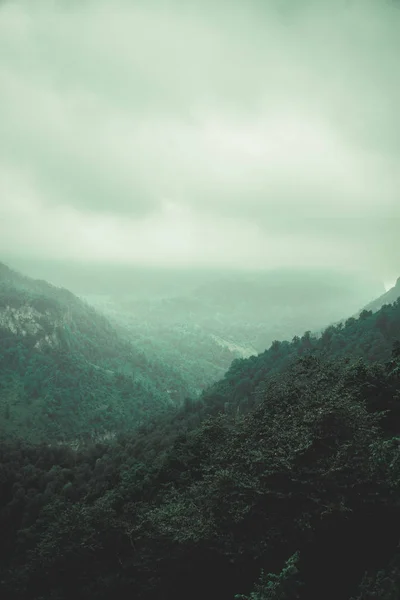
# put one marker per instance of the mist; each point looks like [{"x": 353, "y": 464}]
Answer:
[{"x": 231, "y": 136}]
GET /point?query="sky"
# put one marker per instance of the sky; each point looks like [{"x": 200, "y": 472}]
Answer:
[{"x": 260, "y": 134}]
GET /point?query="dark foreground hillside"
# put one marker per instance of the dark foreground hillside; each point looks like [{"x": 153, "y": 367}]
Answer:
[{"x": 305, "y": 488}]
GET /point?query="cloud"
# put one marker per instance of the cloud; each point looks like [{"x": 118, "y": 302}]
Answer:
[{"x": 264, "y": 133}]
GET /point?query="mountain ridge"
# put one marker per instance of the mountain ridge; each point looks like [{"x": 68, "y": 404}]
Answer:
[
  {"x": 387, "y": 298},
  {"x": 65, "y": 371}
]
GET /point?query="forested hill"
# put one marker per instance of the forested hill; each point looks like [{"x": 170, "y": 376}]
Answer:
[
  {"x": 370, "y": 336},
  {"x": 65, "y": 372},
  {"x": 294, "y": 498}
]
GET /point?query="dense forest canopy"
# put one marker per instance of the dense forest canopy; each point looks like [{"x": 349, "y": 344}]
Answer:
[
  {"x": 278, "y": 476},
  {"x": 66, "y": 373}
]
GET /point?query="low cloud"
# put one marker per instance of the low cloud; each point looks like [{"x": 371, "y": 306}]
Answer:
[{"x": 149, "y": 133}]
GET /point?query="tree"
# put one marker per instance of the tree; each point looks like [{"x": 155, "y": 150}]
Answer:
[{"x": 285, "y": 586}]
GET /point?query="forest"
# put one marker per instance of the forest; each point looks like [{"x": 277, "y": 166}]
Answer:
[
  {"x": 66, "y": 373},
  {"x": 280, "y": 481}
]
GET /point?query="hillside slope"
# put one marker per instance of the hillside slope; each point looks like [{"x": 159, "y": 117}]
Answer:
[
  {"x": 303, "y": 487},
  {"x": 65, "y": 371},
  {"x": 388, "y": 298},
  {"x": 369, "y": 337}
]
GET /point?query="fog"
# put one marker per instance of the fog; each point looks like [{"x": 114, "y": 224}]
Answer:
[{"x": 210, "y": 134}]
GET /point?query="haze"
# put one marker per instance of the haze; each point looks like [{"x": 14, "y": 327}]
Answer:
[{"x": 237, "y": 135}]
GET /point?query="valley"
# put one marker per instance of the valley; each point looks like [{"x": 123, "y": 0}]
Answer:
[{"x": 111, "y": 484}]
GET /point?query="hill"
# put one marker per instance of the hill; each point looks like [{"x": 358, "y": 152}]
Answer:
[
  {"x": 279, "y": 501},
  {"x": 283, "y": 475},
  {"x": 370, "y": 337},
  {"x": 65, "y": 371}
]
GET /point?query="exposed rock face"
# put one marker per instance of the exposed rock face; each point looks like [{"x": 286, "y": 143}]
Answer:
[
  {"x": 26, "y": 320},
  {"x": 20, "y": 320}
]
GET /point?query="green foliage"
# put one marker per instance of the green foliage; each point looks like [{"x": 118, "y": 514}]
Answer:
[
  {"x": 284, "y": 586},
  {"x": 66, "y": 374},
  {"x": 358, "y": 338},
  {"x": 177, "y": 509},
  {"x": 384, "y": 584},
  {"x": 295, "y": 453}
]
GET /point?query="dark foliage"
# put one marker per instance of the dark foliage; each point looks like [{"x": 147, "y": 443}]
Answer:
[
  {"x": 312, "y": 472},
  {"x": 280, "y": 482}
]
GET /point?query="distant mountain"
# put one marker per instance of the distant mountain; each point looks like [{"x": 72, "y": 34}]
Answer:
[
  {"x": 66, "y": 373},
  {"x": 243, "y": 311},
  {"x": 388, "y": 298},
  {"x": 349, "y": 289}
]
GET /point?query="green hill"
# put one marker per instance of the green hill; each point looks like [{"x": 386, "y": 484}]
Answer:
[
  {"x": 370, "y": 336},
  {"x": 279, "y": 501},
  {"x": 281, "y": 482},
  {"x": 65, "y": 371}
]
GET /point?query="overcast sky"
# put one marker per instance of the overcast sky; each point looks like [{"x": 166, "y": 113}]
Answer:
[{"x": 201, "y": 133}]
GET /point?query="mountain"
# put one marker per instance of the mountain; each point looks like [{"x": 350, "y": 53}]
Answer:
[
  {"x": 71, "y": 373},
  {"x": 281, "y": 476},
  {"x": 369, "y": 337},
  {"x": 216, "y": 318},
  {"x": 200, "y": 355},
  {"x": 66, "y": 373},
  {"x": 388, "y": 298}
]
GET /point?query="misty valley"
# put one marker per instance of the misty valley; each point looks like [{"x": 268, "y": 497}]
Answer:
[
  {"x": 199, "y": 300},
  {"x": 148, "y": 449}
]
